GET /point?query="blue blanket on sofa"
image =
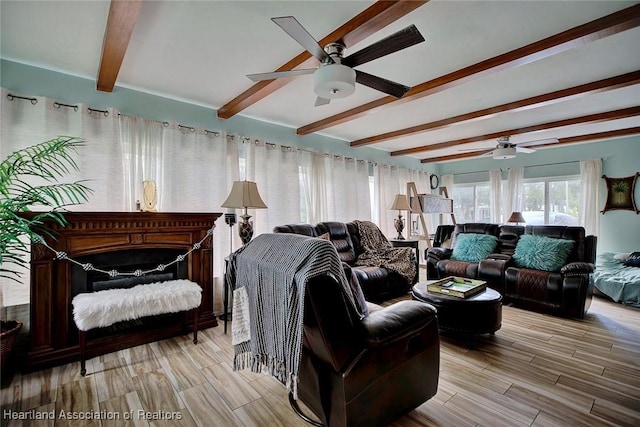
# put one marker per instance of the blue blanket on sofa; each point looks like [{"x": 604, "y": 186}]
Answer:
[{"x": 616, "y": 280}]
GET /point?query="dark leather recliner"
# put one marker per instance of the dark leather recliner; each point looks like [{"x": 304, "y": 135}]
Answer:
[
  {"x": 370, "y": 371},
  {"x": 440, "y": 264},
  {"x": 442, "y": 234},
  {"x": 567, "y": 291},
  {"x": 377, "y": 283}
]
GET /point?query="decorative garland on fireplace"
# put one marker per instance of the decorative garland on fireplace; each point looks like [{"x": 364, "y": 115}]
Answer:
[{"x": 114, "y": 273}]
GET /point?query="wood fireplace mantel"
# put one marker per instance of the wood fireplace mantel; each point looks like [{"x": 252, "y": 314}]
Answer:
[{"x": 53, "y": 334}]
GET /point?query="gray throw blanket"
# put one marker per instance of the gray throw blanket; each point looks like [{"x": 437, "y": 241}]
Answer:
[
  {"x": 378, "y": 252},
  {"x": 270, "y": 273}
]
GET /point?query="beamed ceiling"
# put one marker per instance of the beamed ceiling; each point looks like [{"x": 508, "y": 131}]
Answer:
[{"x": 566, "y": 72}]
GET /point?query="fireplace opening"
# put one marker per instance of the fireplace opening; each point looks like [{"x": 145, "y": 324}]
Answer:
[{"x": 128, "y": 261}]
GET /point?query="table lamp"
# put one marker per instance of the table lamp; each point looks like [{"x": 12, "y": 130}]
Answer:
[
  {"x": 516, "y": 217},
  {"x": 244, "y": 194},
  {"x": 400, "y": 204}
]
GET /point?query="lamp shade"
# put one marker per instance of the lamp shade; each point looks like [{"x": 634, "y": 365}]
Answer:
[
  {"x": 400, "y": 203},
  {"x": 244, "y": 194},
  {"x": 516, "y": 217}
]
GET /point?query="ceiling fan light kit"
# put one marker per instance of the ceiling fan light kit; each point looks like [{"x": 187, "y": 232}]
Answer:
[
  {"x": 334, "y": 81},
  {"x": 504, "y": 153}
]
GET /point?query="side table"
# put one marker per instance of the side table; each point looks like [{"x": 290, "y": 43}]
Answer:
[{"x": 397, "y": 243}]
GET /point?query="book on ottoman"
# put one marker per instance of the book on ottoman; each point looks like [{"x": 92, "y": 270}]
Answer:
[{"x": 460, "y": 287}]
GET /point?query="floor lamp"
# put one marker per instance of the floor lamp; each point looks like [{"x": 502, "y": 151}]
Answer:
[{"x": 230, "y": 219}]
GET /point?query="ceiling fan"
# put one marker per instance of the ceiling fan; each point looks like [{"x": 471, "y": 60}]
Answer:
[
  {"x": 506, "y": 150},
  {"x": 335, "y": 77}
]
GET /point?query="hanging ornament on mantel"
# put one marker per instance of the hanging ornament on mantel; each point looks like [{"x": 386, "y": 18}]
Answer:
[{"x": 149, "y": 196}]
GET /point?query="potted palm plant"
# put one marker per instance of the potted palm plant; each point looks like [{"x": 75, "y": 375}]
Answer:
[{"x": 29, "y": 183}]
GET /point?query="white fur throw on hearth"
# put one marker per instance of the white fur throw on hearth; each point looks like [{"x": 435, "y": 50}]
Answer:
[{"x": 104, "y": 308}]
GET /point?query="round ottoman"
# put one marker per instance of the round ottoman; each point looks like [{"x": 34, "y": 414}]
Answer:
[{"x": 479, "y": 314}]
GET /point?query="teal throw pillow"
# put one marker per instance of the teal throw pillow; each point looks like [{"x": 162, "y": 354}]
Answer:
[
  {"x": 541, "y": 252},
  {"x": 472, "y": 247}
]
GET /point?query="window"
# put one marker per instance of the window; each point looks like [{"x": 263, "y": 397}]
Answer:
[
  {"x": 553, "y": 201},
  {"x": 471, "y": 203}
]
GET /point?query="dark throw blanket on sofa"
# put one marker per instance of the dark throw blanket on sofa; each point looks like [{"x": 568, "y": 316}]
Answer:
[{"x": 378, "y": 252}]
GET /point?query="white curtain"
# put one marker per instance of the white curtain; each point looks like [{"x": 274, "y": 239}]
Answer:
[
  {"x": 514, "y": 200},
  {"x": 335, "y": 188},
  {"x": 275, "y": 169},
  {"x": 389, "y": 180},
  {"x": 27, "y": 122},
  {"x": 590, "y": 182},
  {"x": 142, "y": 158},
  {"x": 348, "y": 197},
  {"x": 495, "y": 193},
  {"x": 315, "y": 186}
]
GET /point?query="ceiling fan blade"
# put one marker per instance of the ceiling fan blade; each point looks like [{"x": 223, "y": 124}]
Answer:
[
  {"x": 321, "y": 101},
  {"x": 474, "y": 149},
  {"x": 487, "y": 153},
  {"x": 280, "y": 74},
  {"x": 395, "y": 42},
  {"x": 524, "y": 150},
  {"x": 537, "y": 142},
  {"x": 291, "y": 26},
  {"x": 383, "y": 85}
]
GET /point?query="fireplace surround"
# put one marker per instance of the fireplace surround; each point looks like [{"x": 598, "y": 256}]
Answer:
[{"x": 113, "y": 240}]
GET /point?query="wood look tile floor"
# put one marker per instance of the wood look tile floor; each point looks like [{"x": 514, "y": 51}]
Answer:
[{"x": 537, "y": 370}]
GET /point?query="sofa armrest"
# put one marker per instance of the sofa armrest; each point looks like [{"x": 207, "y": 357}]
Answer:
[
  {"x": 578, "y": 268},
  {"x": 438, "y": 254},
  {"x": 492, "y": 271},
  {"x": 501, "y": 257},
  {"x": 396, "y": 322}
]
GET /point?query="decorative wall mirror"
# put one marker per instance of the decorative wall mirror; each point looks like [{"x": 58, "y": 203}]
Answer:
[{"x": 621, "y": 193}]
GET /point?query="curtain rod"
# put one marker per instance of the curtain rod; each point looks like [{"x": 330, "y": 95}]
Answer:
[
  {"x": 552, "y": 164},
  {"x": 533, "y": 166}
]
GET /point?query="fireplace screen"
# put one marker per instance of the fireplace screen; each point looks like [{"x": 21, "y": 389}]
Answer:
[{"x": 127, "y": 261}]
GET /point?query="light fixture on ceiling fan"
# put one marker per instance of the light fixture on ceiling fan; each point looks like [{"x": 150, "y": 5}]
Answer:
[
  {"x": 336, "y": 77},
  {"x": 506, "y": 150},
  {"x": 334, "y": 80}
]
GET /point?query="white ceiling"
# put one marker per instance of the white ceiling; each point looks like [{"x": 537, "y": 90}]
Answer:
[{"x": 201, "y": 51}]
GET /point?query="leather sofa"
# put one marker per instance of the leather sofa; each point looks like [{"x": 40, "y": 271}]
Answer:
[
  {"x": 566, "y": 291},
  {"x": 377, "y": 283}
]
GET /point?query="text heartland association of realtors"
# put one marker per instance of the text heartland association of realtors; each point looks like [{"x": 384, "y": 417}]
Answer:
[{"x": 138, "y": 414}]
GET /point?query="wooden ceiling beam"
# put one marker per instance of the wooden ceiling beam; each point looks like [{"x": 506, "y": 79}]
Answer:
[
  {"x": 562, "y": 95},
  {"x": 575, "y": 37},
  {"x": 570, "y": 140},
  {"x": 591, "y": 118},
  {"x": 371, "y": 20},
  {"x": 120, "y": 24}
]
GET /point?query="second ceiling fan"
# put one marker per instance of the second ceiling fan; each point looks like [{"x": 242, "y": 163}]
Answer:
[
  {"x": 507, "y": 150},
  {"x": 336, "y": 77}
]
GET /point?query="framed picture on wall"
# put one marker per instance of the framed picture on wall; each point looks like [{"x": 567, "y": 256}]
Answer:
[{"x": 621, "y": 193}]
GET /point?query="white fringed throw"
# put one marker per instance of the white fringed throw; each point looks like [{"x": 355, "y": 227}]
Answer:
[
  {"x": 104, "y": 308},
  {"x": 274, "y": 270}
]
